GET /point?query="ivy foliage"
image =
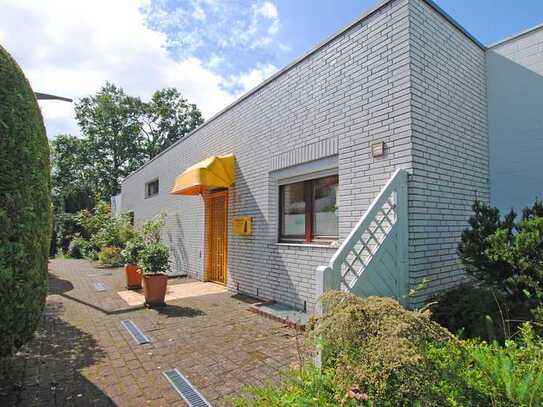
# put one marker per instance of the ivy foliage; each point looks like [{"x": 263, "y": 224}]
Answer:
[{"x": 25, "y": 208}]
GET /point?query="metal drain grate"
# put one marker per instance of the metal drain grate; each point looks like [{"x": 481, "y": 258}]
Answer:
[
  {"x": 100, "y": 287},
  {"x": 136, "y": 333},
  {"x": 185, "y": 389}
]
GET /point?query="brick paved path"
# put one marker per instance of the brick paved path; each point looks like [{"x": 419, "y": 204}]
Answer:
[{"x": 81, "y": 354}]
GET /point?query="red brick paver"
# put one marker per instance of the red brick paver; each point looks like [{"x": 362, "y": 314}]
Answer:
[{"x": 81, "y": 354}]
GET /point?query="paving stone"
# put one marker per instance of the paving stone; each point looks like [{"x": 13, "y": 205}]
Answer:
[{"x": 82, "y": 356}]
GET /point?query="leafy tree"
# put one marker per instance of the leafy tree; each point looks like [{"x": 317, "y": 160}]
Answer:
[
  {"x": 166, "y": 118},
  {"x": 71, "y": 178},
  {"x": 121, "y": 132},
  {"x": 110, "y": 125},
  {"x": 72, "y": 188}
]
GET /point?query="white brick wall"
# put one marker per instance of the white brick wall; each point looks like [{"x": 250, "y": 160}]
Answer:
[
  {"x": 450, "y": 145},
  {"x": 403, "y": 75},
  {"x": 515, "y": 86},
  {"x": 351, "y": 92}
]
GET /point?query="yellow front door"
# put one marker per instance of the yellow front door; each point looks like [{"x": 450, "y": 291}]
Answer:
[{"x": 216, "y": 209}]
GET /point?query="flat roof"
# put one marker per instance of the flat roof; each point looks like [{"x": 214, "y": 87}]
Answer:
[
  {"x": 515, "y": 36},
  {"x": 373, "y": 9}
]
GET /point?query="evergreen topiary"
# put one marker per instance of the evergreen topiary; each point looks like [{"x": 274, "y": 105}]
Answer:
[{"x": 25, "y": 208}]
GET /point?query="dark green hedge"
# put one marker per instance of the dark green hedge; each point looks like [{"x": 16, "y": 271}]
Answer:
[{"x": 25, "y": 208}]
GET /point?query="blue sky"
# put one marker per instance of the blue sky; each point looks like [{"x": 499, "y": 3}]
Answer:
[
  {"x": 211, "y": 50},
  {"x": 301, "y": 24}
]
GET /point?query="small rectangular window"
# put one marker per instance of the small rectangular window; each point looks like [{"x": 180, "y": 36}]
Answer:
[
  {"x": 151, "y": 188},
  {"x": 309, "y": 210}
]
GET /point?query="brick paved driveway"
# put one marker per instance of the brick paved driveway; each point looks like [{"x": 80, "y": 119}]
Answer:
[{"x": 83, "y": 356}]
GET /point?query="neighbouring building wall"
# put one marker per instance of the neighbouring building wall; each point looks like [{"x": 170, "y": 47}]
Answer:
[
  {"x": 515, "y": 117},
  {"x": 450, "y": 145},
  {"x": 332, "y": 105}
]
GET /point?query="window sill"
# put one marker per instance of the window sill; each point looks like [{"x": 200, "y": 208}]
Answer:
[{"x": 333, "y": 245}]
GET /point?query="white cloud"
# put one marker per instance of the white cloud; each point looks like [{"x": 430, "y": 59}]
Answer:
[
  {"x": 71, "y": 48},
  {"x": 248, "y": 80},
  {"x": 268, "y": 10},
  {"x": 249, "y": 24}
]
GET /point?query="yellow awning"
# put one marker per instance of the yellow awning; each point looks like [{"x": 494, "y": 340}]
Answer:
[{"x": 213, "y": 172}]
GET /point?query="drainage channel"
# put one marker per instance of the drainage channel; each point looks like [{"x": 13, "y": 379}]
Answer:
[
  {"x": 135, "y": 332},
  {"x": 191, "y": 396},
  {"x": 100, "y": 287}
]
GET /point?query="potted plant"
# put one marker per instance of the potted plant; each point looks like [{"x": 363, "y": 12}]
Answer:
[
  {"x": 153, "y": 264},
  {"x": 131, "y": 254}
]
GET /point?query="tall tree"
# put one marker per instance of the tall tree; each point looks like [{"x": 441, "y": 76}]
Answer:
[
  {"x": 110, "y": 125},
  {"x": 121, "y": 132},
  {"x": 166, "y": 118}
]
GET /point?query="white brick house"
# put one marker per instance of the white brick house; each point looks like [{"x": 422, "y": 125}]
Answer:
[{"x": 306, "y": 143}]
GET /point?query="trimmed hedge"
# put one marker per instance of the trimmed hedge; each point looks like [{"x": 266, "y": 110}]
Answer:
[{"x": 25, "y": 208}]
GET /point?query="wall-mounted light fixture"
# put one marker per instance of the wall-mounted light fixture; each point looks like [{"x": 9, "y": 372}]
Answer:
[{"x": 378, "y": 149}]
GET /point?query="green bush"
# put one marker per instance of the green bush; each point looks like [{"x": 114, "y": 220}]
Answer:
[
  {"x": 132, "y": 250},
  {"x": 87, "y": 249},
  {"x": 152, "y": 227},
  {"x": 76, "y": 248},
  {"x": 377, "y": 354},
  {"x": 25, "y": 208},
  {"x": 105, "y": 230},
  {"x": 110, "y": 256},
  {"x": 506, "y": 255},
  {"x": 476, "y": 373},
  {"x": 66, "y": 228},
  {"x": 376, "y": 347},
  {"x": 301, "y": 387},
  {"x": 472, "y": 312},
  {"x": 93, "y": 221},
  {"x": 154, "y": 259},
  {"x": 108, "y": 235}
]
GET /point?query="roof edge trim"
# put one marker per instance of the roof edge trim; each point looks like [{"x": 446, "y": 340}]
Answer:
[
  {"x": 515, "y": 36},
  {"x": 370, "y": 11}
]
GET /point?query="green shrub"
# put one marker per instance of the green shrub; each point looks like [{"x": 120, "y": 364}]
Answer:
[
  {"x": 88, "y": 249},
  {"x": 472, "y": 312},
  {"x": 25, "y": 208},
  {"x": 106, "y": 230},
  {"x": 375, "y": 346},
  {"x": 108, "y": 235},
  {"x": 132, "y": 251},
  {"x": 152, "y": 227},
  {"x": 507, "y": 255},
  {"x": 76, "y": 248},
  {"x": 303, "y": 387},
  {"x": 514, "y": 372},
  {"x": 154, "y": 259},
  {"x": 66, "y": 228},
  {"x": 126, "y": 230},
  {"x": 110, "y": 256},
  {"x": 377, "y": 354},
  {"x": 93, "y": 221},
  {"x": 476, "y": 373}
]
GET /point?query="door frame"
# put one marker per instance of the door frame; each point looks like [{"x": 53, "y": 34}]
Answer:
[{"x": 207, "y": 253}]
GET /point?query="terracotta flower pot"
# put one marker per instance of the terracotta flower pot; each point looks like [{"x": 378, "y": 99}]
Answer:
[
  {"x": 133, "y": 276},
  {"x": 154, "y": 289}
]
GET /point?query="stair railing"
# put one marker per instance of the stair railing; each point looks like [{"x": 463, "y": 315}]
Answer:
[{"x": 373, "y": 259}]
